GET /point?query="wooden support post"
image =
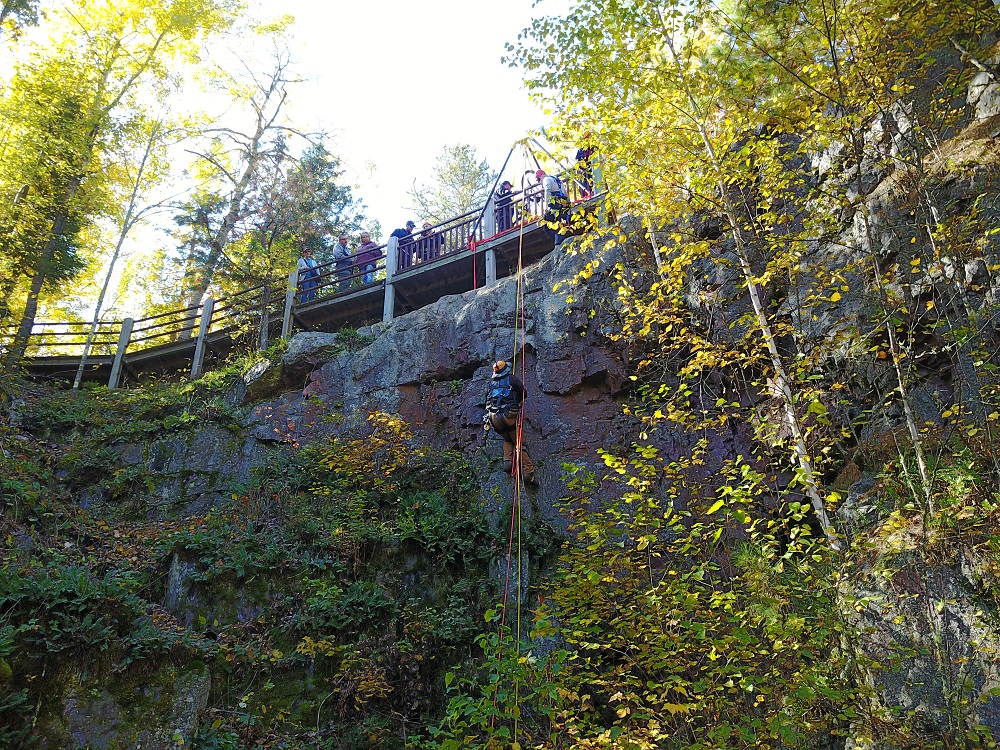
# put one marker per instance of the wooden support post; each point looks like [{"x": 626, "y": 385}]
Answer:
[
  {"x": 491, "y": 266},
  {"x": 391, "y": 257},
  {"x": 116, "y": 368},
  {"x": 490, "y": 217},
  {"x": 286, "y": 321},
  {"x": 265, "y": 316},
  {"x": 198, "y": 361}
]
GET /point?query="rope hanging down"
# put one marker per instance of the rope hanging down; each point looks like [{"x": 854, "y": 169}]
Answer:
[{"x": 515, "y": 516}]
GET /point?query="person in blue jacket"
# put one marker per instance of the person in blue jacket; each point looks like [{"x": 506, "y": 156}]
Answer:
[{"x": 503, "y": 414}]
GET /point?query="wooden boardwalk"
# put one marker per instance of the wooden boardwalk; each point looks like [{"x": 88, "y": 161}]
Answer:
[{"x": 451, "y": 258}]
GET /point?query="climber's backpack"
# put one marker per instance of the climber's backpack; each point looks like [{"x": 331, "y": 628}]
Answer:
[{"x": 499, "y": 399}]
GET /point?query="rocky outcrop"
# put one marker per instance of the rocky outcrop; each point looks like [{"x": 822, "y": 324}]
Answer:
[
  {"x": 432, "y": 366},
  {"x": 151, "y": 711},
  {"x": 929, "y": 626}
]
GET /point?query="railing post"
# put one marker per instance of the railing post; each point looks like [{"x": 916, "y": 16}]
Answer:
[
  {"x": 198, "y": 361},
  {"x": 490, "y": 219},
  {"x": 265, "y": 315},
  {"x": 491, "y": 266},
  {"x": 116, "y": 367},
  {"x": 286, "y": 321},
  {"x": 391, "y": 258}
]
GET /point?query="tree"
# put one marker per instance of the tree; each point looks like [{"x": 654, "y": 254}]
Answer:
[
  {"x": 294, "y": 203},
  {"x": 229, "y": 165},
  {"x": 16, "y": 14},
  {"x": 101, "y": 58},
  {"x": 142, "y": 169},
  {"x": 461, "y": 183},
  {"x": 760, "y": 141}
]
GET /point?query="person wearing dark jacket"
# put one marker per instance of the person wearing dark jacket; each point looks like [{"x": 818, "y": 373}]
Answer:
[
  {"x": 503, "y": 414},
  {"x": 402, "y": 233},
  {"x": 405, "y": 237},
  {"x": 504, "y": 210}
]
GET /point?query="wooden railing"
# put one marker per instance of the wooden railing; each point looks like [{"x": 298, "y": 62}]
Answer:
[
  {"x": 252, "y": 313},
  {"x": 337, "y": 277},
  {"x": 68, "y": 338}
]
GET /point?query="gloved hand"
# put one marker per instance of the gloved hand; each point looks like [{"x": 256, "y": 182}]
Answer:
[{"x": 486, "y": 422}]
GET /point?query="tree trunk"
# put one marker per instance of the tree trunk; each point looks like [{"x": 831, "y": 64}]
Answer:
[
  {"x": 20, "y": 343},
  {"x": 810, "y": 483}
]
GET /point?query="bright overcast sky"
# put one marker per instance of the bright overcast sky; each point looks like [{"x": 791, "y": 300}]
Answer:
[{"x": 394, "y": 82}]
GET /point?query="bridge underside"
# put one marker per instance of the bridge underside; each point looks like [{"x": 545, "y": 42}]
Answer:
[
  {"x": 144, "y": 365},
  {"x": 63, "y": 367}
]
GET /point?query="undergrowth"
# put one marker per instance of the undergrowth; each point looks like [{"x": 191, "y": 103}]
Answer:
[{"x": 327, "y": 593}]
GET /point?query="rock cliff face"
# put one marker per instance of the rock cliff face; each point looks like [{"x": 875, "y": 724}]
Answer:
[{"x": 433, "y": 366}]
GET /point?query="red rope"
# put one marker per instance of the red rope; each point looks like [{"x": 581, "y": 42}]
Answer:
[{"x": 472, "y": 246}]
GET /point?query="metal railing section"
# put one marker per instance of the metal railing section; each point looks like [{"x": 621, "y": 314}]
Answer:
[
  {"x": 254, "y": 310},
  {"x": 68, "y": 338}
]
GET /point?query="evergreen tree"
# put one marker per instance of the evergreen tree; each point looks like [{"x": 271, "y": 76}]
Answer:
[{"x": 461, "y": 183}]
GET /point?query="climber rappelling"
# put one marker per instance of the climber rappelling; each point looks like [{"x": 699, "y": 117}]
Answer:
[{"x": 503, "y": 414}]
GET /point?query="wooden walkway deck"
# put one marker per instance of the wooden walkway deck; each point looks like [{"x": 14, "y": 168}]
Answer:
[{"x": 199, "y": 337}]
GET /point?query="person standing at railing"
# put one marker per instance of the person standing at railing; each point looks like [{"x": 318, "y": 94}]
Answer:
[
  {"x": 343, "y": 260},
  {"x": 555, "y": 202},
  {"x": 368, "y": 254},
  {"x": 308, "y": 276},
  {"x": 405, "y": 237},
  {"x": 428, "y": 244},
  {"x": 502, "y": 206}
]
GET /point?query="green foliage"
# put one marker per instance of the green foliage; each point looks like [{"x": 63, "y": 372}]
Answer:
[
  {"x": 514, "y": 694},
  {"x": 214, "y": 738},
  {"x": 15, "y": 707},
  {"x": 659, "y": 647},
  {"x": 25, "y": 478},
  {"x": 73, "y": 99},
  {"x": 63, "y": 610},
  {"x": 461, "y": 184},
  {"x": 428, "y": 519},
  {"x": 359, "y": 607}
]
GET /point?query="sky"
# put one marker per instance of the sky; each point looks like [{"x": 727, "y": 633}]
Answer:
[
  {"x": 394, "y": 82},
  {"x": 391, "y": 82}
]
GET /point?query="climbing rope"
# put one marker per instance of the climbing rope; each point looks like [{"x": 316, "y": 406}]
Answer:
[{"x": 515, "y": 515}]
